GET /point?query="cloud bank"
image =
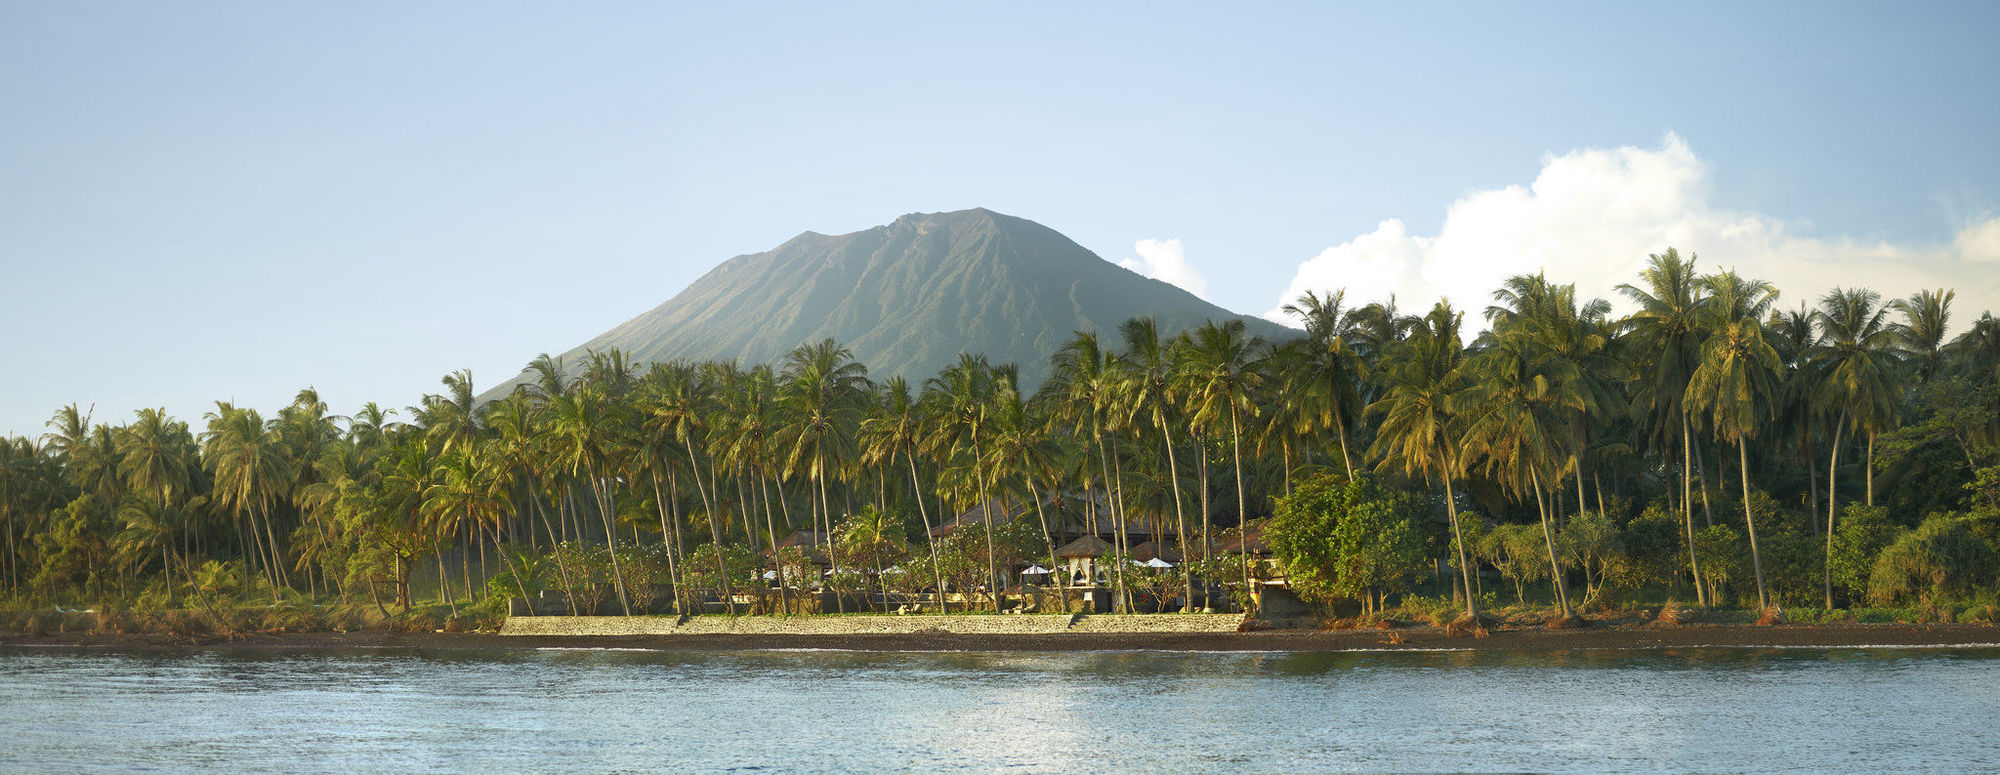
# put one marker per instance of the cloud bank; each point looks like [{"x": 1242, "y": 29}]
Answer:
[
  {"x": 1167, "y": 260},
  {"x": 1592, "y": 216}
]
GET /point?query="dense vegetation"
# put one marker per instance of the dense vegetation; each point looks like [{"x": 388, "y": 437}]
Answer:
[{"x": 1711, "y": 446}]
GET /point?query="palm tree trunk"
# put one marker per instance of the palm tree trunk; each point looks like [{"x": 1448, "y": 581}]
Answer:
[
  {"x": 1832, "y": 499},
  {"x": 1117, "y": 524},
  {"x": 444, "y": 577},
  {"x": 1122, "y": 517},
  {"x": 1687, "y": 509},
  {"x": 606, "y": 507},
  {"x": 1180, "y": 518},
  {"x": 1458, "y": 538},
  {"x": 519, "y": 582},
  {"x": 1701, "y": 473},
  {"x": 1027, "y": 469},
  {"x": 666, "y": 536},
  {"x": 1812, "y": 474},
  {"x": 1339, "y": 428},
  {"x": 1756, "y": 559},
  {"x": 832, "y": 547},
  {"x": 777, "y": 561},
  {"x": 1868, "y": 471},
  {"x": 1549, "y": 540},
  {"x": 917, "y": 489},
  {"x": 1242, "y": 501}
]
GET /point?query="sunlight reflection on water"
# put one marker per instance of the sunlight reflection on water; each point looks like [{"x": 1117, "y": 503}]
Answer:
[{"x": 835, "y": 711}]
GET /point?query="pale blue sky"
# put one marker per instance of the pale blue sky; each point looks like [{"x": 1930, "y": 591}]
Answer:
[{"x": 206, "y": 201}]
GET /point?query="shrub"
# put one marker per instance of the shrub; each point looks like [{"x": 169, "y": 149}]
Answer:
[{"x": 1941, "y": 558}]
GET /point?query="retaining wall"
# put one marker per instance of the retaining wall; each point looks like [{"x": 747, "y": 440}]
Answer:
[{"x": 991, "y": 624}]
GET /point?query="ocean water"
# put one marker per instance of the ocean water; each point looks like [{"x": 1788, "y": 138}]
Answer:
[{"x": 552, "y": 710}]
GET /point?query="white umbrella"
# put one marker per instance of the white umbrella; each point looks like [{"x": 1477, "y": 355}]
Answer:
[
  {"x": 770, "y": 574},
  {"x": 1035, "y": 570},
  {"x": 892, "y": 569},
  {"x": 1158, "y": 563}
]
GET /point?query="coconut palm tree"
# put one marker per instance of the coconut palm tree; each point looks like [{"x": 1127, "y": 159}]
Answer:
[
  {"x": 1331, "y": 370},
  {"x": 1666, "y": 336},
  {"x": 1514, "y": 411},
  {"x": 824, "y": 389},
  {"x": 1221, "y": 376},
  {"x": 895, "y": 427},
  {"x": 250, "y": 465},
  {"x": 1926, "y": 317},
  {"x": 586, "y": 433},
  {"x": 1148, "y": 394},
  {"x": 1416, "y": 435},
  {"x": 1082, "y": 392},
  {"x": 1856, "y": 374},
  {"x": 959, "y": 410},
  {"x": 1736, "y": 384}
]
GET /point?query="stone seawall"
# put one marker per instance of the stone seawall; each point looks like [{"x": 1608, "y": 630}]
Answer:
[{"x": 1023, "y": 624}]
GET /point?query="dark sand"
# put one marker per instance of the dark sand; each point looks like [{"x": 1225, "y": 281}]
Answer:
[{"x": 1505, "y": 639}]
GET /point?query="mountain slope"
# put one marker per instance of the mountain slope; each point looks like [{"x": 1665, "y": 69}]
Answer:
[{"x": 908, "y": 297}]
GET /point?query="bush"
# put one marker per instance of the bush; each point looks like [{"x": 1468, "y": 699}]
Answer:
[
  {"x": 1346, "y": 538},
  {"x": 1943, "y": 557}
]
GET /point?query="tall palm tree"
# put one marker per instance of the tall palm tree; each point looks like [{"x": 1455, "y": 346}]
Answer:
[
  {"x": 895, "y": 427},
  {"x": 1082, "y": 391},
  {"x": 586, "y": 432},
  {"x": 1332, "y": 370},
  {"x": 1149, "y": 394},
  {"x": 824, "y": 390},
  {"x": 959, "y": 407},
  {"x": 1416, "y": 435},
  {"x": 1666, "y": 334},
  {"x": 1735, "y": 384},
  {"x": 1926, "y": 317},
  {"x": 250, "y": 464},
  {"x": 1221, "y": 376},
  {"x": 1856, "y": 376},
  {"x": 1514, "y": 412}
]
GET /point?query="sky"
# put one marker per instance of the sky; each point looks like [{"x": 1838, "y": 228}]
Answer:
[{"x": 234, "y": 201}]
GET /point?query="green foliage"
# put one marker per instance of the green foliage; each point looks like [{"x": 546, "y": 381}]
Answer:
[
  {"x": 1942, "y": 558},
  {"x": 1345, "y": 538},
  {"x": 1518, "y": 551},
  {"x": 1858, "y": 538}
]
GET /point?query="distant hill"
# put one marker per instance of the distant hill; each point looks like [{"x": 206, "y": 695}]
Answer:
[{"x": 907, "y": 298}]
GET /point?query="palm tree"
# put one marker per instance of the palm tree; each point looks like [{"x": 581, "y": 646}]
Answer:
[
  {"x": 469, "y": 485},
  {"x": 249, "y": 463},
  {"x": 1149, "y": 392},
  {"x": 586, "y": 431},
  {"x": 1736, "y": 384},
  {"x": 1513, "y": 411},
  {"x": 1416, "y": 436},
  {"x": 1856, "y": 376},
  {"x": 1926, "y": 317},
  {"x": 1331, "y": 370},
  {"x": 824, "y": 388},
  {"x": 959, "y": 408},
  {"x": 1221, "y": 375},
  {"x": 895, "y": 427},
  {"x": 1667, "y": 336},
  {"x": 1082, "y": 390}
]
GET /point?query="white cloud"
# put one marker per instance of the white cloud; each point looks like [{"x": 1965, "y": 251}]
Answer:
[
  {"x": 1592, "y": 216},
  {"x": 1166, "y": 260}
]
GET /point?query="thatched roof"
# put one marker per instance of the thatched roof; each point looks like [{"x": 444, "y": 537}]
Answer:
[
  {"x": 1252, "y": 541},
  {"x": 1087, "y": 546},
  {"x": 1149, "y": 550}
]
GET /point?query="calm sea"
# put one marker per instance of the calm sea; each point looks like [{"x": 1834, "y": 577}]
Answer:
[{"x": 1712, "y": 710}]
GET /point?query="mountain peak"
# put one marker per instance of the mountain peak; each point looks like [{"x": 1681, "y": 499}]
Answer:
[{"x": 908, "y": 297}]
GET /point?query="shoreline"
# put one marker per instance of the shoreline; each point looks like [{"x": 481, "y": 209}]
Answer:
[{"x": 1733, "y": 636}]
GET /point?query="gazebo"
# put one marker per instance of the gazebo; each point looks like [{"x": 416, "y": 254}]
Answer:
[{"x": 1083, "y": 558}]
